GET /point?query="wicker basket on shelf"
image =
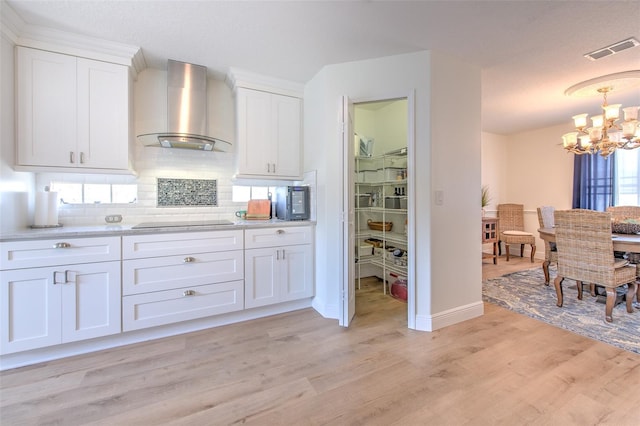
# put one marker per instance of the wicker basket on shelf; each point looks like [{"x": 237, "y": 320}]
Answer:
[
  {"x": 625, "y": 226},
  {"x": 379, "y": 226}
]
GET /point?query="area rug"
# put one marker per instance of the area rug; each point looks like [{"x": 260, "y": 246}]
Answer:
[{"x": 524, "y": 292}]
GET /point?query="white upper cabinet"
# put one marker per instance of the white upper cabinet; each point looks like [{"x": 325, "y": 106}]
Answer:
[
  {"x": 73, "y": 113},
  {"x": 269, "y": 135},
  {"x": 268, "y": 127}
]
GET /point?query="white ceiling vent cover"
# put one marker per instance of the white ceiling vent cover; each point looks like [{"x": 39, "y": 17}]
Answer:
[{"x": 612, "y": 49}]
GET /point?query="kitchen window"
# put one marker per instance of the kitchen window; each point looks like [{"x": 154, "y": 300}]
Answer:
[
  {"x": 627, "y": 181},
  {"x": 242, "y": 194},
  {"x": 95, "y": 193}
]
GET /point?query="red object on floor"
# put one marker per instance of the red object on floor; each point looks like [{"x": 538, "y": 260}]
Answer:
[{"x": 399, "y": 290}]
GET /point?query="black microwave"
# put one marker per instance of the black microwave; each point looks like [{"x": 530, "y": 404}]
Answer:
[{"x": 292, "y": 203}]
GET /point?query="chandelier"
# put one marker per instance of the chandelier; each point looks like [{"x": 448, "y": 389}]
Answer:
[{"x": 608, "y": 131}]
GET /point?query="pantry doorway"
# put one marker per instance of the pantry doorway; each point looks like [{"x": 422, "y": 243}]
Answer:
[{"x": 379, "y": 210}]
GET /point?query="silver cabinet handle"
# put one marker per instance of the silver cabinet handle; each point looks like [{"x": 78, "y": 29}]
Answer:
[
  {"x": 280, "y": 231},
  {"x": 189, "y": 293},
  {"x": 61, "y": 245},
  {"x": 55, "y": 277},
  {"x": 72, "y": 157},
  {"x": 277, "y": 254},
  {"x": 268, "y": 167},
  {"x": 82, "y": 157},
  {"x": 66, "y": 277},
  {"x": 283, "y": 254},
  {"x": 274, "y": 167},
  {"x": 189, "y": 259}
]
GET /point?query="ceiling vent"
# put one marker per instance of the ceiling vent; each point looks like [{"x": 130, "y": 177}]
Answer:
[{"x": 612, "y": 49}]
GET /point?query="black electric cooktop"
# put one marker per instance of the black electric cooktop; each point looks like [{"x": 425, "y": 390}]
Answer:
[{"x": 181, "y": 223}]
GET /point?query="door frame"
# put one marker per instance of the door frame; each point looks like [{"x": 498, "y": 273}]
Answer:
[{"x": 348, "y": 195}]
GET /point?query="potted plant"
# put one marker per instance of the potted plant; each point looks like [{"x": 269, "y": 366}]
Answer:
[{"x": 486, "y": 198}]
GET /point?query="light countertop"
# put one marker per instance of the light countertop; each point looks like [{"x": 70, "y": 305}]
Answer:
[{"x": 127, "y": 229}]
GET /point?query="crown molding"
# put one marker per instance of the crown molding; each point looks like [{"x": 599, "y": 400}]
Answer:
[
  {"x": 23, "y": 34},
  {"x": 249, "y": 80},
  {"x": 10, "y": 22}
]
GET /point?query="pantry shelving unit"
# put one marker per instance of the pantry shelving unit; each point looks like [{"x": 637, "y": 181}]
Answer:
[{"x": 381, "y": 196}]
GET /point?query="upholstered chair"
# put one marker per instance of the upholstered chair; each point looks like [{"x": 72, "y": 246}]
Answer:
[
  {"x": 545, "y": 220},
  {"x": 585, "y": 254},
  {"x": 511, "y": 225}
]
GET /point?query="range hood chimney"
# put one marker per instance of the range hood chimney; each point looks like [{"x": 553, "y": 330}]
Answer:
[{"x": 186, "y": 111}]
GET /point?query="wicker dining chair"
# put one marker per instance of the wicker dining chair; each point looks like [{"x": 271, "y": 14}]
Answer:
[
  {"x": 628, "y": 212},
  {"x": 624, "y": 212},
  {"x": 545, "y": 220},
  {"x": 585, "y": 254},
  {"x": 511, "y": 224}
]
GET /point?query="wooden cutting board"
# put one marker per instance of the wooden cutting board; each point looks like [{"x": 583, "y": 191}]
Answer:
[{"x": 259, "y": 209}]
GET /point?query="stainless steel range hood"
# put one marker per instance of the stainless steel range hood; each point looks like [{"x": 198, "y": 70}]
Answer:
[{"x": 186, "y": 111}]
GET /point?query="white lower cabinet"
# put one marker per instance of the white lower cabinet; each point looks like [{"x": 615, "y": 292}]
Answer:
[
  {"x": 181, "y": 304},
  {"x": 200, "y": 276},
  {"x": 58, "y": 304},
  {"x": 57, "y": 291},
  {"x": 278, "y": 270}
]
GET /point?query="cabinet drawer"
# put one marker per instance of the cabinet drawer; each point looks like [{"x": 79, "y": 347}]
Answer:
[
  {"x": 166, "y": 307},
  {"x": 141, "y": 246},
  {"x": 169, "y": 272},
  {"x": 272, "y": 237},
  {"x": 61, "y": 251}
]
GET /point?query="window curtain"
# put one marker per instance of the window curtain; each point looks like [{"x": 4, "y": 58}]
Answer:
[{"x": 593, "y": 181}]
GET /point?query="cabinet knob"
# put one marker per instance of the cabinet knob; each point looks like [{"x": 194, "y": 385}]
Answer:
[
  {"x": 189, "y": 259},
  {"x": 61, "y": 245},
  {"x": 82, "y": 158},
  {"x": 72, "y": 157},
  {"x": 280, "y": 231},
  {"x": 189, "y": 293}
]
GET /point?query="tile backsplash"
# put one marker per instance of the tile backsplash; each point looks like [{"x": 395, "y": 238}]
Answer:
[
  {"x": 187, "y": 192},
  {"x": 152, "y": 164}
]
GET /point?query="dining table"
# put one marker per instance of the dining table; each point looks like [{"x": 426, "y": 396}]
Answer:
[{"x": 621, "y": 242}]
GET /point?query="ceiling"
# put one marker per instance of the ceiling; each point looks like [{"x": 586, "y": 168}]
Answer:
[{"x": 529, "y": 51}]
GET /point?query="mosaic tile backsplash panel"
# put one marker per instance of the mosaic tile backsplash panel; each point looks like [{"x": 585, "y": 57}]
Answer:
[{"x": 187, "y": 192}]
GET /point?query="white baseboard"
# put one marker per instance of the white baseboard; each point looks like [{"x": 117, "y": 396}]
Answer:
[
  {"x": 327, "y": 310},
  {"x": 449, "y": 317}
]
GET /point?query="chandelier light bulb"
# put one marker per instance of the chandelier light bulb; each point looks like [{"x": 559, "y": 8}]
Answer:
[
  {"x": 612, "y": 112},
  {"x": 630, "y": 113},
  {"x": 570, "y": 139},
  {"x": 585, "y": 142},
  {"x": 629, "y": 128},
  {"x": 595, "y": 134},
  {"x": 580, "y": 120},
  {"x": 597, "y": 120}
]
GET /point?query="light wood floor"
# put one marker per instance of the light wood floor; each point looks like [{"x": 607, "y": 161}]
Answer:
[{"x": 301, "y": 369}]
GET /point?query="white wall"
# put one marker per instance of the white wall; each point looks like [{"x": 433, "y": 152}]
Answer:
[
  {"x": 529, "y": 168},
  {"x": 455, "y": 165},
  {"x": 387, "y": 125},
  {"x": 494, "y": 169},
  {"x": 16, "y": 188},
  {"x": 443, "y": 161}
]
